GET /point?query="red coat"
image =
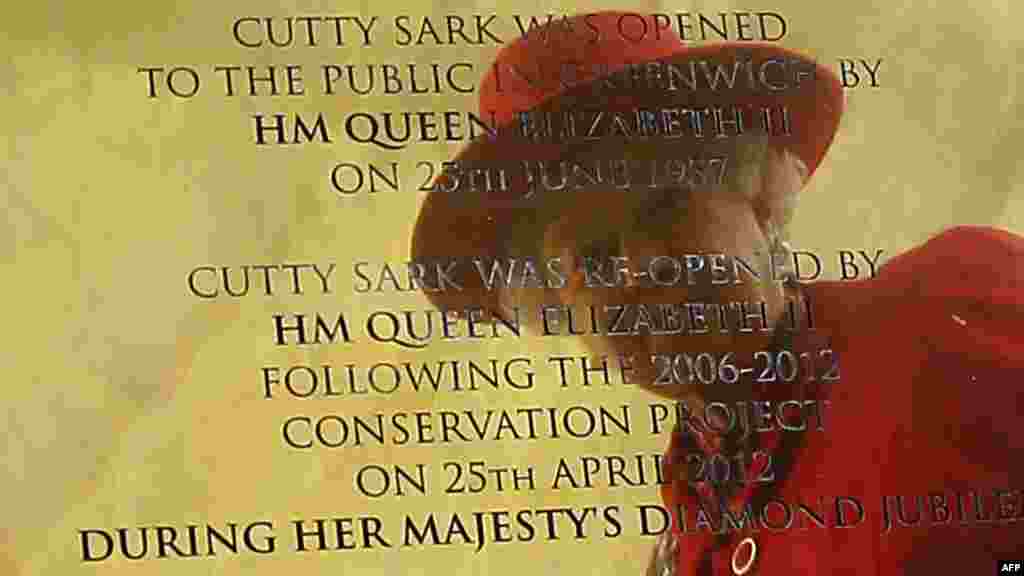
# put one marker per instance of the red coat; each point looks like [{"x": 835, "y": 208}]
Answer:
[{"x": 928, "y": 407}]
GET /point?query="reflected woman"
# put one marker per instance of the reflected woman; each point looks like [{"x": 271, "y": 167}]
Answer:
[{"x": 913, "y": 375}]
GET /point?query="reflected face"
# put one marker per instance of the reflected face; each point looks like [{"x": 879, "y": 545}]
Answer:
[{"x": 626, "y": 237}]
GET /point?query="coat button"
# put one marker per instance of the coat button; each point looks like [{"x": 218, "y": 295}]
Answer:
[{"x": 739, "y": 565}]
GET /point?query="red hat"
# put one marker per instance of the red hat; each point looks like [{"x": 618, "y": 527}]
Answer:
[{"x": 599, "y": 86}]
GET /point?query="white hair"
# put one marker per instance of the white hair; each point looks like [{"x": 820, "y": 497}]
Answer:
[{"x": 753, "y": 156}]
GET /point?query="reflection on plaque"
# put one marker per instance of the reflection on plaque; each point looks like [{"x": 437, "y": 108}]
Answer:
[
  {"x": 478, "y": 290},
  {"x": 659, "y": 179}
]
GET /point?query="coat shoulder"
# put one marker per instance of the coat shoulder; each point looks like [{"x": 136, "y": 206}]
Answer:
[{"x": 975, "y": 262}]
